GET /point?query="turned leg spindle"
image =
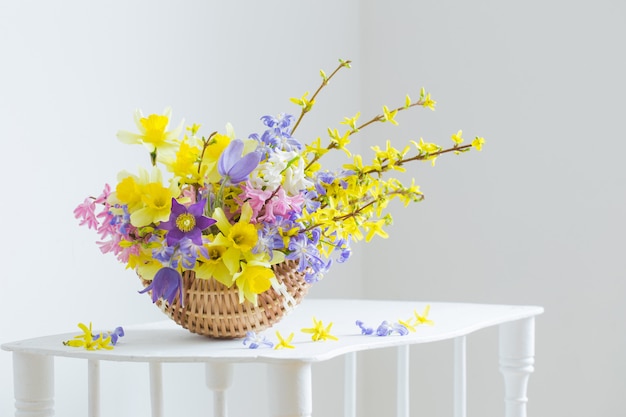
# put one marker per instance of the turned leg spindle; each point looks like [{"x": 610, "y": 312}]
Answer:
[
  {"x": 517, "y": 357},
  {"x": 33, "y": 378},
  {"x": 219, "y": 377}
]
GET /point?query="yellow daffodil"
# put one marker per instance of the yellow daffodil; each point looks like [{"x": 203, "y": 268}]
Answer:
[
  {"x": 143, "y": 262},
  {"x": 153, "y": 133},
  {"x": 253, "y": 280},
  {"x": 147, "y": 199},
  {"x": 214, "y": 266},
  {"x": 240, "y": 237},
  {"x": 157, "y": 201},
  {"x": 128, "y": 191}
]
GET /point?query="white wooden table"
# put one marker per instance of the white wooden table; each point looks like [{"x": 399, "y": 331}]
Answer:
[{"x": 289, "y": 370}]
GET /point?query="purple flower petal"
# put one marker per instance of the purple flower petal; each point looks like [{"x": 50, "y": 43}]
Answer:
[
  {"x": 197, "y": 209},
  {"x": 234, "y": 167},
  {"x": 195, "y": 236},
  {"x": 203, "y": 222},
  {"x": 255, "y": 341},
  {"x": 364, "y": 329},
  {"x": 116, "y": 334},
  {"x": 174, "y": 236},
  {"x": 242, "y": 168},
  {"x": 186, "y": 222},
  {"x": 166, "y": 284},
  {"x": 229, "y": 156}
]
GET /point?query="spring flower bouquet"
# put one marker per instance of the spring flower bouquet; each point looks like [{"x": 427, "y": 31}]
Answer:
[{"x": 227, "y": 234}]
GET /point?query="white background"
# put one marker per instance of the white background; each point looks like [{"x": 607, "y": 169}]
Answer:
[{"x": 536, "y": 218}]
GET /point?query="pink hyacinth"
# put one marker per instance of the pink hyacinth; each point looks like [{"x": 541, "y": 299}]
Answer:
[
  {"x": 256, "y": 199},
  {"x": 281, "y": 205},
  {"x": 86, "y": 213},
  {"x": 266, "y": 205}
]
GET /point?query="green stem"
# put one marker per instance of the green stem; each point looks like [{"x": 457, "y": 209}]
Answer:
[
  {"x": 205, "y": 145},
  {"x": 345, "y": 216},
  {"x": 378, "y": 118},
  {"x": 322, "y": 85},
  {"x": 420, "y": 157}
]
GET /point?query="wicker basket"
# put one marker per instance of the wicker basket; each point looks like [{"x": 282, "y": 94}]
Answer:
[{"x": 212, "y": 309}]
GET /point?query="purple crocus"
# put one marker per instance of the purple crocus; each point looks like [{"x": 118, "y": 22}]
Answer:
[
  {"x": 186, "y": 222},
  {"x": 234, "y": 167},
  {"x": 166, "y": 283}
]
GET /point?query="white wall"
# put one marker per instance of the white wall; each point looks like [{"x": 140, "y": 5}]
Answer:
[
  {"x": 537, "y": 218},
  {"x": 71, "y": 74}
]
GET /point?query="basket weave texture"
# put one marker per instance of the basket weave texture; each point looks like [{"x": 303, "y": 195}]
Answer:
[{"x": 213, "y": 310}]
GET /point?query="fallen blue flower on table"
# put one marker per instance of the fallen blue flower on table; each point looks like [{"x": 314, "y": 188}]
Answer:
[
  {"x": 386, "y": 329},
  {"x": 364, "y": 330},
  {"x": 256, "y": 341}
]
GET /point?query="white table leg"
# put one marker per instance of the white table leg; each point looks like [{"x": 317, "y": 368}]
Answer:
[
  {"x": 460, "y": 377},
  {"x": 349, "y": 406},
  {"x": 93, "y": 388},
  {"x": 33, "y": 379},
  {"x": 402, "y": 384},
  {"x": 219, "y": 377},
  {"x": 156, "y": 388},
  {"x": 517, "y": 357},
  {"x": 290, "y": 389}
]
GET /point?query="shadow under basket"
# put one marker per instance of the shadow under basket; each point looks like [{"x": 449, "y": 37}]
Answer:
[{"x": 213, "y": 310}]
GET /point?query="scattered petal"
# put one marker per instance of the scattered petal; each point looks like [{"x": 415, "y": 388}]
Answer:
[
  {"x": 284, "y": 343},
  {"x": 255, "y": 341},
  {"x": 89, "y": 341},
  {"x": 386, "y": 329},
  {"x": 364, "y": 329},
  {"x": 319, "y": 332},
  {"x": 423, "y": 319}
]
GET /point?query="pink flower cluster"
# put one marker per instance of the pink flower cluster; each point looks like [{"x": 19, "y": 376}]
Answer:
[{"x": 267, "y": 205}]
